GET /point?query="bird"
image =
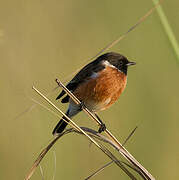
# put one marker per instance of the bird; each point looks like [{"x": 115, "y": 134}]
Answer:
[{"x": 97, "y": 85}]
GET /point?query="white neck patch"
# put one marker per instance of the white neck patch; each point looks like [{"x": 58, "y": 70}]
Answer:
[{"x": 106, "y": 63}]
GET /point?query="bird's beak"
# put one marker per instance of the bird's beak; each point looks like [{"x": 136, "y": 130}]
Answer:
[{"x": 131, "y": 63}]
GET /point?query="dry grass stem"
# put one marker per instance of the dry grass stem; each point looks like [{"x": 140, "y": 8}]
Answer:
[
  {"x": 99, "y": 170},
  {"x": 41, "y": 172},
  {"x": 45, "y": 107},
  {"x": 104, "y": 139},
  {"x": 92, "y": 134},
  {"x": 109, "y": 163},
  {"x": 40, "y": 157},
  {"x": 129, "y": 136},
  {"x": 113, "y": 43},
  {"x": 55, "y": 165}
]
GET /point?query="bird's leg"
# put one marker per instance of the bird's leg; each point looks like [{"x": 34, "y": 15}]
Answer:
[
  {"x": 102, "y": 126},
  {"x": 82, "y": 105}
]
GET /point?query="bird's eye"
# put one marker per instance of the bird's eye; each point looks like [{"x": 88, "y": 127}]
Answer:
[{"x": 120, "y": 63}]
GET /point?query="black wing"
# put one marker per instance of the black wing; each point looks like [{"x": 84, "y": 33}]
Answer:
[
  {"x": 70, "y": 86},
  {"x": 82, "y": 76}
]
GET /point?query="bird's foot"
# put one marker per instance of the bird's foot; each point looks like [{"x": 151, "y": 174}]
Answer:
[{"x": 102, "y": 127}]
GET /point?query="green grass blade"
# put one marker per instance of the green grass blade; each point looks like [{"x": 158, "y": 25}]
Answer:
[{"x": 168, "y": 29}]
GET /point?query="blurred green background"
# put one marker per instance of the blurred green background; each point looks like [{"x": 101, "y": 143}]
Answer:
[{"x": 41, "y": 40}]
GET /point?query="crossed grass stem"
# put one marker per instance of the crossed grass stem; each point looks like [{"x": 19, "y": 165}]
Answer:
[{"x": 77, "y": 129}]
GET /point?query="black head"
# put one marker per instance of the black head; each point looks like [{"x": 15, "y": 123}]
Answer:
[{"x": 117, "y": 60}]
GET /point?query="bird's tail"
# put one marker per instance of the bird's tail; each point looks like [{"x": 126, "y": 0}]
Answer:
[{"x": 59, "y": 128}]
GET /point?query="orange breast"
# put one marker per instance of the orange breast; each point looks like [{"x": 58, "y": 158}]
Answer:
[{"x": 101, "y": 92}]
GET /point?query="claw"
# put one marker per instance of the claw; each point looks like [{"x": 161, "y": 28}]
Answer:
[{"x": 102, "y": 128}]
